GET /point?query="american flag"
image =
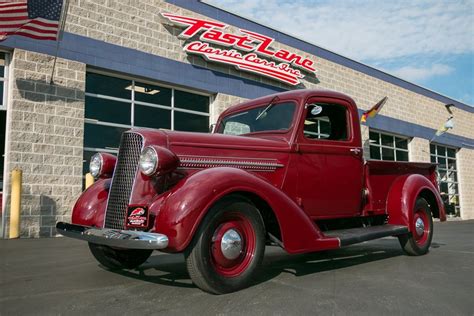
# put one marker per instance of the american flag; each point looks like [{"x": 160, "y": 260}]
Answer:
[{"x": 38, "y": 19}]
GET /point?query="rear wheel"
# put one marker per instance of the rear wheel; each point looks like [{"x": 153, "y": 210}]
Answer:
[
  {"x": 418, "y": 241},
  {"x": 227, "y": 248},
  {"x": 116, "y": 259}
]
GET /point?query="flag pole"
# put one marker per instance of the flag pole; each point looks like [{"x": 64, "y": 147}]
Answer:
[{"x": 60, "y": 36}]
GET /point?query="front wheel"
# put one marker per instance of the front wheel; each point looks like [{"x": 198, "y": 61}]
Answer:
[
  {"x": 418, "y": 240},
  {"x": 227, "y": 248},
  {"x": 116, "y": 259}
]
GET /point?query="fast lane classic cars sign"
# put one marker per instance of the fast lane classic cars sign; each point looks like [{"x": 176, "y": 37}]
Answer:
[{"x": 248, "y": 52}]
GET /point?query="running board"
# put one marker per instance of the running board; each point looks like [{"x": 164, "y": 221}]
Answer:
[{"x": 357, "y": 235}]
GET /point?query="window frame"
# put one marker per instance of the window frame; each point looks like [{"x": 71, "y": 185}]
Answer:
[
  {"x": 350, "y": 139},
  {"x": 457, "y": 208},
  {"x": 394, "y": 148},
  {"x": 132, "y": 102}
]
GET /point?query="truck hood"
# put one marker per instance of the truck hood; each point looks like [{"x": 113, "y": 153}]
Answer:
[{"x": 175, "y": 140}]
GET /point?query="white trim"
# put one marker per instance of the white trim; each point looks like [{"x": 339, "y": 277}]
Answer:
[{"x": 146, "y": 81}]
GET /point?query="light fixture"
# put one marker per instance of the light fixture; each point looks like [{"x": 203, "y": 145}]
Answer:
[{"x": 144, "y": 90}]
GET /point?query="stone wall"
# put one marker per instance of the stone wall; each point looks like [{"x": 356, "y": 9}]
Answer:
[
  {"x": 45, "y": 127},
  {"x": 465, "y": 159},
  {"x": 419, "y": 150},
  {"x": 46, "y": 122}
]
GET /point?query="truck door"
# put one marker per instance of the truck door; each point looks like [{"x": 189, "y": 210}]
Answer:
[{"x": 330, "y": 163}]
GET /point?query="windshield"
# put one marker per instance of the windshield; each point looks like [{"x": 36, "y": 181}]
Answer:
[{"x": 277, "y": 117}]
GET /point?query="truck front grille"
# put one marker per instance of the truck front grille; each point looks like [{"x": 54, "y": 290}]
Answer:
[{"x": 122, "y": 182}]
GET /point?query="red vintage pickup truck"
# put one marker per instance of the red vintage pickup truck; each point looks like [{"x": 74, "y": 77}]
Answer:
[{"x": 285, "y": 169}]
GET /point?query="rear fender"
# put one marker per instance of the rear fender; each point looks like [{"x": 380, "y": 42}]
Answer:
[
  {"x": 402, "y": 198},
  {"x": 183, "y": 209},
  {"x": 89, "y": 209}
]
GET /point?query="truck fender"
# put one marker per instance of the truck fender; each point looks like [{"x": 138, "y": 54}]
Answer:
[
  {"x": 402, "y": 198},
  {"x": 89, "y": 209},
  {"x": 183, "y": 209}
]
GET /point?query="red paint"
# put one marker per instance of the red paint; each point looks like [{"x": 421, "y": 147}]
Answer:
[
  {"x": 227, "y": 267},
  {"x": 108, "y": 165},
  {"x": 89, "y": 209},
  {"x": 306, "y": 180}
]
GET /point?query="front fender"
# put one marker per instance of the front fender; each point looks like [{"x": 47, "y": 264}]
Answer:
[
  {"x": 402, "y": 198},
  {"x": 89, "y": 209},
  {"x": 182, "y": 210}
]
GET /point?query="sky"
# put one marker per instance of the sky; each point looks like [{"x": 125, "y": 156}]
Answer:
[{"x": 429, "y": 43}]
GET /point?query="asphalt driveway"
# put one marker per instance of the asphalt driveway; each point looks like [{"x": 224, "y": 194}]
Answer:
[{"x": 60, "y": 276}]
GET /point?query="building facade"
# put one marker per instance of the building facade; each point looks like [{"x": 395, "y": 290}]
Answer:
[{"x": 126, "y": 63}]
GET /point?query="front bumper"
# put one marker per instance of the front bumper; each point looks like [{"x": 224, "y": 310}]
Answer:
[{"x": 127, "y": 239}]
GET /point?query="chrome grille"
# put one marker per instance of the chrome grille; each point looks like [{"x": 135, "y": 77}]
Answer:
[{"x": 122, "y": 183}]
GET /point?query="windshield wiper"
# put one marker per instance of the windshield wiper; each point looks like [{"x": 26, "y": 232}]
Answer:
[{"x": 268, "y": 107}]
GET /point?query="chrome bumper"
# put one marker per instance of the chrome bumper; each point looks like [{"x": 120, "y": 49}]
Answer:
[{"x": 128, "y": 239}]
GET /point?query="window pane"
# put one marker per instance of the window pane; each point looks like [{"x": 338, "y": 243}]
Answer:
[
  {"x": 441, "y": 151},
  {"x": 236, "y": 128},
  {"x": 108, "y": 110},
  {"x": 374, "y": 138},
  {"x": 1, "y": 92},
  {"x": 451, "y": 153},
  {"x": 432, "y": 149},
  {"x": 152, "y": 94},
  {"x": 146, "y": 116},
  {"x": 388, "y": 154},
  {"x": 442, "y": 162},
  {"x": 325, "y": 128},
  {"x": 375, "y": 152},
  {"x": 401, "y": 143},
  {"x": 387, "y": 140},
  {"x": 106, "y": 85},
  {"x": 402, "y": 155},
  {"x": 433, "y": 159},
  {"x": 191, "y": 122},
  {"x": 442, "y": 174},
  {"x": 451, "y": 164},
  {"x": 99, "y": 136},
  {"x": 190, "y": 101}
]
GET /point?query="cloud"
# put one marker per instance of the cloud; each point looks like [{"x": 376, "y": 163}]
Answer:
[
  {"x": 413, "y": 73},
  {"x": 370, "y": 30}
]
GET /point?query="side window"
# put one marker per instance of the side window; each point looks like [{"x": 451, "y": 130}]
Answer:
[{"x": 326, "y": 121}]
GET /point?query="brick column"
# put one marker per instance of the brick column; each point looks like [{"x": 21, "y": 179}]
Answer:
[
  {"x": 419, "y": 150},
  {"x": 45, "y": 128},
  {"x": 364, "y": 132},
  {"x": 465, "y": 158}
]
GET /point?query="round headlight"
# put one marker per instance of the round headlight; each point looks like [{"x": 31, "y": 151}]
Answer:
[
  {"x": 95, "y": 165},
  {"x": 148, "y": 161}
]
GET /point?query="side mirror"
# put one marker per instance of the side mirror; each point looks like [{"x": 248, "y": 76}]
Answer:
[{"x": 212, "y": 128}]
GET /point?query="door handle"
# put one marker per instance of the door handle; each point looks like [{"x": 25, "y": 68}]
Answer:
[{"x": 356, "y": 151}]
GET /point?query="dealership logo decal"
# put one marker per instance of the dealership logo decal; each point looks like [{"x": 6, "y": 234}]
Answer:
[
  {"x": 137, "y": 216},
  {"x": 248, "y": 52}
]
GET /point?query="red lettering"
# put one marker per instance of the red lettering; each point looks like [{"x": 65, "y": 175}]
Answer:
[
  {"x": 265, "y": 42},
  {"x": 194, "y": 25}
]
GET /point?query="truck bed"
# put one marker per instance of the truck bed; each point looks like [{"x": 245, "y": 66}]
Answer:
[{"x": 380, "y": 175}]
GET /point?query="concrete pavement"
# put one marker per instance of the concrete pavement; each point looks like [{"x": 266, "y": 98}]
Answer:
[{"x": 57, "y": 276}]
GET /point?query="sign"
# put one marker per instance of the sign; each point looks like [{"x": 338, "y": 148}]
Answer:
[{"x": 249, "y": 51}]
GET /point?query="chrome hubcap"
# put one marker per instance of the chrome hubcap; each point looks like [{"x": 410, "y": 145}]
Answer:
[
  {"x": 231, "y": 244},
  {"x": 419, "y": 226}
]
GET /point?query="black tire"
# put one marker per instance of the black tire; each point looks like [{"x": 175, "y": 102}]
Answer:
[
  {"x": 117, "y": 259},
  {"x": 413, "y": 243},
  {"x": 203, "y": 258}
]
